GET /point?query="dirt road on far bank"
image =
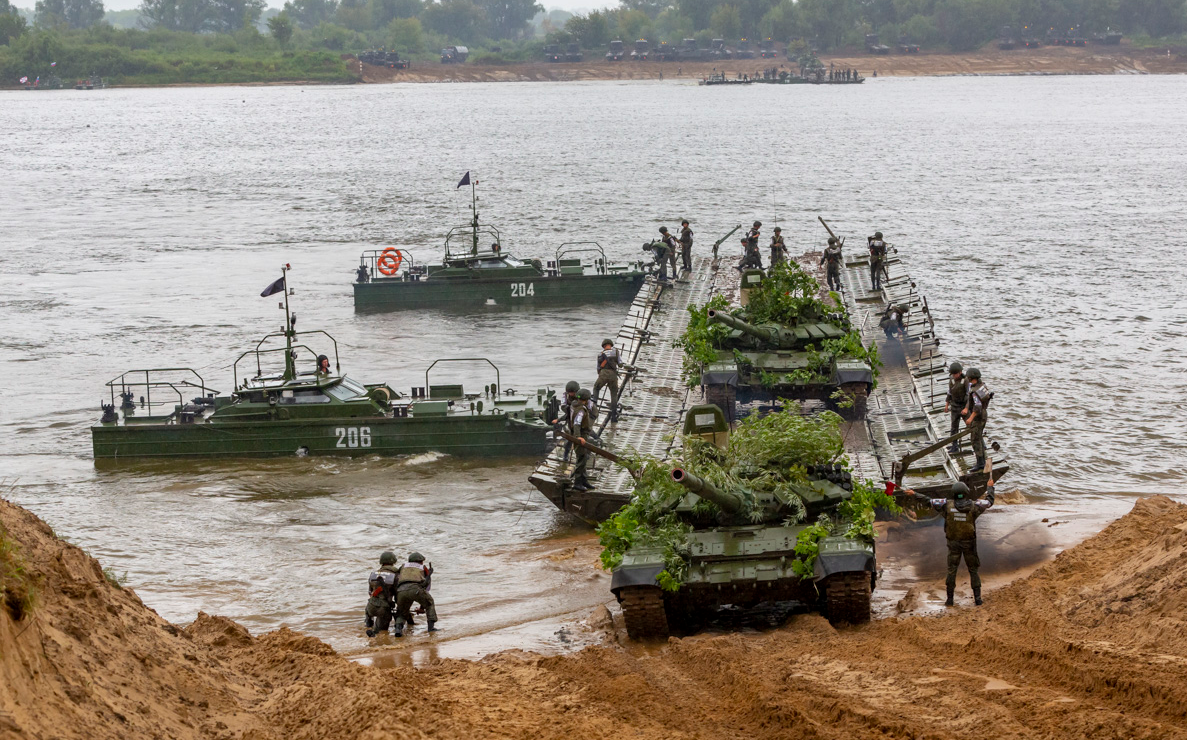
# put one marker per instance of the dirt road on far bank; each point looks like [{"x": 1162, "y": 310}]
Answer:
[
  {"x": 988, "y": 61},
  {"x": 1090, "y": 645}
]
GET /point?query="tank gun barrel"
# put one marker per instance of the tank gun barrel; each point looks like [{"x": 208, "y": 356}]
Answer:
[
  {"x": 771, "y": 335},
  {"x": 728, "y": 501}
]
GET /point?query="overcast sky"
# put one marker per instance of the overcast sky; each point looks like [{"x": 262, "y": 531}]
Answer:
[{"x": 570, "y": 5}]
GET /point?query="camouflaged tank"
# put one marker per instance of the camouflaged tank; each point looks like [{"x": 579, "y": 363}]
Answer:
[
  {"x": 773, "y": 361},
  {"x": 741, "y": 552}
]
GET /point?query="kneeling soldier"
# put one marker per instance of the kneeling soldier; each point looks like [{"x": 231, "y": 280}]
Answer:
[{"x": 415, "y": 579}]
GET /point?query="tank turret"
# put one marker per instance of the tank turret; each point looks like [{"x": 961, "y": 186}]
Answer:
[
  {"x": 730, "y": 502},
  {"x": 770, "y": 334}
]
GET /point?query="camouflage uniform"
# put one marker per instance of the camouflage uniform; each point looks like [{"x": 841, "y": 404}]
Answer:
[
  {"x": 957, "y": 399},
  {"x": 580, "y": 424},
  {"x": 686, "y": 247},
  {"x": 877, "y": 259},
  {"x": 778, "y": 250},
  {"x": 382, "y": 588},
  {"x": 414, "y": 581},
  {"x": 978, "y": 404},
  {"x": 960, "y": 528},
  {"x": 609, "y": 361},
  {"x": 832, "y": 261}
]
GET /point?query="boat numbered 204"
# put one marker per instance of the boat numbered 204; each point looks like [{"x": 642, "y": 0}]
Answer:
[{"x": 522, "y": 290}]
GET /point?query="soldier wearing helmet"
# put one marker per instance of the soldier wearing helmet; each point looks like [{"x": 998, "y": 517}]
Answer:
[
  {"x": 413, "y": 582},
  {"x": 580, "y": 425},
  {"x": 976, "y": 413},
  {"x": 831, "y": 259},
  {"x": 381, "y": 585},
  {"x": 571, "y": 389},
  {"x": 686, "y": 245},
  {"x": 323, "y": 365},
  {"x": 751, "y": 256},
  {"x": 877, "y": 260},
  {"x": 609, "y": 360},
  {"x": 778, "y": 248},
  {"x": 960, "y": 512},
  {"x": 955, "y": 401},
  {"x": 665, "y": 252}
]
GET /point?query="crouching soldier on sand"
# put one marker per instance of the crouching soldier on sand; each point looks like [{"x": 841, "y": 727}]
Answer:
[
  {"x": 382, "y": 587},
  {"x": 413, "y": 583},
  {"x": 960, "y": 513}
]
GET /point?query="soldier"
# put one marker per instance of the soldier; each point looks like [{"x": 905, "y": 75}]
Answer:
[
  {"x": 412, "y": 587},
  {"x": 381, "y": 585},
  {"x": 778, "y": 248},
  {"x": 976, "y": 413},
  {"x": 673, "y": 247},
  {"x": 960, "y": 514},
  {"x": 751, "y": 257},
  {"x": 832, "y": 260},
  {"x": 323, "y": 365},
  {"x": 663, "y": 252},
  {"x": 571, "y": 389},
  {"x": 686, "y": 245},
  {"x": 955, "y": 401},
  {"x": 877, "y": 259},
  {"x": 609, "y": 360},
  {"x": 580, "y": 424}
]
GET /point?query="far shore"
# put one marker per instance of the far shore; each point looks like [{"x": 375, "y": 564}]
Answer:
[{"x": 988, "y": 61}]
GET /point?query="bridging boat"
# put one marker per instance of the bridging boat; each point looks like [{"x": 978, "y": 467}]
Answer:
[
  {"x": 473, "y": 276},
  {"x": 320, "y": 411}
]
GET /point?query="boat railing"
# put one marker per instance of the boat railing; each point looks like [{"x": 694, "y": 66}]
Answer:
[
  {"x": 181, "y": 387},
  {"x": 571, "y": 248},
  {"x": 495, "y": 390},
  {"x": 469, "y": 233},
  {"x": 258, "y": 352},
  {"x": 396, "y": 260}
]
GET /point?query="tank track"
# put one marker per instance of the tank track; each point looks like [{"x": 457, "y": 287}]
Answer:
[
  {"x": 847, "y": 598},
  {"x": 643, "y": 612},
  {"x": 860, "y": 394}
]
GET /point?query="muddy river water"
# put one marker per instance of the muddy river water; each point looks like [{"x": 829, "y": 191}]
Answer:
[{"x": 1042, "y": 217}]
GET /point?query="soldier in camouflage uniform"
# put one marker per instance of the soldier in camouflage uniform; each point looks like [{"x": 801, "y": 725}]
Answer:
[
  {"x": 956, "y": 400},
  {"x": 960, "y": 514},
  {"x": 580, "y": 425},
  {"x": 831, "y": 259},
  {"x": 877, "y": 260},
  {"x": 414, "y": 579},
  {"x": 976, "y": 413},
  {"x": 381, "y": 586},
  {"x": 609, "y": 361},
  {"x": 778, "y": 248},
  {"x": 686, "y": 245}
]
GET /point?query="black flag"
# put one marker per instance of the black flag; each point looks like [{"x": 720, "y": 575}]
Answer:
[
  {"x": 465, "y": 180},
  {"x": 276, "y": 287}
]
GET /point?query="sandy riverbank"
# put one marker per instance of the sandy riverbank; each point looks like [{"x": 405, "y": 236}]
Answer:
[
  {"x": 1092, "y": 60},
  {"x": 1091, "y": 644}
]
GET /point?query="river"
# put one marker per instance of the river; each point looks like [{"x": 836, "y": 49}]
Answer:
[{"x": 1041, "y": 216}]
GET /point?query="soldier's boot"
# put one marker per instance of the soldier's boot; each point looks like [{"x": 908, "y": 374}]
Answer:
[
  {"x": 370, "y": 632},
  {"x": 977, "y": 597},
  {"x": 954, "y": 448},
  {"x": 979, "y": 464},
  {"x": 433, "y": 625},
  {"x": 950, "y": 601}
]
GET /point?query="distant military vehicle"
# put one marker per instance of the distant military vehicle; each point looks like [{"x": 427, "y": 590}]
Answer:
[
  {"x": 616, "y": 52},
  {"x": 743, "y": 50},
  {"x": 766, "y": 49},
  {"x": 873, "y": 47},
  {"x": 642, "y": 51},
  {"x": 552, "y": 53},
  {"x": 690, "y": 51},
  {"x": 906, "y": 47},
  {"x": 573, "y": 53},
  {"x": 454, "y": 55},
  {"x": 1108, "y": 38},
  {"x": 1027, "y": 38},
  {"x": 720, "y": 50},
  {"x": 1006, "y": 39},
  {"x": 741, "y": 552},
  {"x": 383, "y": 58}
]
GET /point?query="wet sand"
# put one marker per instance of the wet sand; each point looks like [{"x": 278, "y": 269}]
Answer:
[{"x": 1091, "y": 60}]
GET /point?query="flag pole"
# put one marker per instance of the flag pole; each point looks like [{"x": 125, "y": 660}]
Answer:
[{"x": 290, "y": 368}]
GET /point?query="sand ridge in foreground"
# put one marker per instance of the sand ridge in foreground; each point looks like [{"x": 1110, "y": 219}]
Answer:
[{"x": 1090, "y": 645}]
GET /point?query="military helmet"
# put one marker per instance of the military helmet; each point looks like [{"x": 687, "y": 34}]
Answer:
[
  {"x": 877, "y": 234},
  {"x": 757, "y": 224},
  {"x": 778, "y": 229},
  {"x": 572, "y": 386},
  {"x": 955, "y": 368},
  {"x": 832, "y": 240},
  {"x": 959, "y": 490},
  {"x": 684, "y": 222},
  {"x": 608, "y": 341},
  {"x": 663, "y": 229},
  {"x": 387, "y": 558},
  {"x": 584, "y": 394},
  {"x": 973, "y": 374},
  {"x": 416, "y": 557}
]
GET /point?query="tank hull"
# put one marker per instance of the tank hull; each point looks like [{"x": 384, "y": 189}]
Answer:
[
  {"x": 464, "y": 436},
  {"x": 397, "y": 295}
]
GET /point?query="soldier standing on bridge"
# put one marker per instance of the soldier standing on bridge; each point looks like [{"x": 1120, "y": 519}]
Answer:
[
  {"x": 877, "y": 260},
  {"x": 976, "y": 414},
  {"x": 960, "y": 512},
  {"x": 832, "y": 261},
  {"x": 580, "y": 425},
  {"x": 955, "y": 401},
  {"x": 686, "y": 245},
  {"x": 669, "y": 254},
  {"x": 609, "y": 360},
  {"x": 778, "y": 248}
]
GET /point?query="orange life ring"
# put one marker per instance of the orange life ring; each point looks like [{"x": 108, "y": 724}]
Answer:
[{"x": 389, "y": 262}]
